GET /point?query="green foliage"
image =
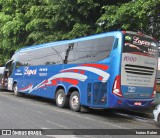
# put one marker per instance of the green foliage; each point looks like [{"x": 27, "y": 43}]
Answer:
[
  {"x": 30, "y": 22},
  {"x": 79, "y": 30},
  {"x": 137, "y": 15}
]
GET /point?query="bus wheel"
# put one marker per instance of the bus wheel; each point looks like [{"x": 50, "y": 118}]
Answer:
[
  {"x": 61, "y": 99},
  {"x": 74, "y": 101},
  {"x": 15, "y": 90}
]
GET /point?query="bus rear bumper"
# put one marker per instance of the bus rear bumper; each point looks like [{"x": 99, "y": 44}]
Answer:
[{"x": 132, "y": 104}]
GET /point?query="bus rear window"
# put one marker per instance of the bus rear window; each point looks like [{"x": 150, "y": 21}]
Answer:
[{"x": 140, "y": 45}]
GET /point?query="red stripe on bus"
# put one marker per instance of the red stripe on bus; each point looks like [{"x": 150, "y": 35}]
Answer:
[
  {"x": 74, "y": 70},
  {"x": 68, "y": 80},
  {"x": 100, "y": 66},
  {"x": 100, "y": 78},
  {"x": 26, "y": 87}
]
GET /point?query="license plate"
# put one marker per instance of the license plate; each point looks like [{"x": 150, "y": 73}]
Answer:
[{"x": 137, "y": 103}]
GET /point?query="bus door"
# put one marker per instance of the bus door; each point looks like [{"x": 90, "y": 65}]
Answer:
[{"x": 97, "y": 93}]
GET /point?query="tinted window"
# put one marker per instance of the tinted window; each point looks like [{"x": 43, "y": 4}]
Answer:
[
  {"x": 102, "y": 48},
  {"x": 82, "y": 52},
  {"x": 140, "y": 44},
  {"x": 91, "y": 50},
  {"x": 79, "y": 52},
  {"x": 43, "y": 56}
]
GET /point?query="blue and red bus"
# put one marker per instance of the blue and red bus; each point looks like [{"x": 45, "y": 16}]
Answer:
[{"x": 108, "y": 70}]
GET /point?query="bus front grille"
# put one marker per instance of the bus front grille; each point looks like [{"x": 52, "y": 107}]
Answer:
[{"x": 139, "y": 70}]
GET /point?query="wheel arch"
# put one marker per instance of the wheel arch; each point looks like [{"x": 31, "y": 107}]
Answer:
[
  {"x": 14, "y": 82},
  {"x": 72, "y": 89},
  {"x": 59, "y": 87}
]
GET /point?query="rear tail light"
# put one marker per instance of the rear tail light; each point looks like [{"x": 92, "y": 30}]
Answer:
[
  {"x": 154, "y": 90},
  {"x": 117, "y": 86}
]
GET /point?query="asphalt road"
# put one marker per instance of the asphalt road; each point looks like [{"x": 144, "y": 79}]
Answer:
[{"x": 36, "y": 113}]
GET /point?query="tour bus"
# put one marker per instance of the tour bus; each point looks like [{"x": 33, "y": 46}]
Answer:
[
  {"x": 109, "y": 70},
  {"x": 3, "y": 78}
]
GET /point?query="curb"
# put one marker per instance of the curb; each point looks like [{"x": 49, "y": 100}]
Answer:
[
  {"x": 142, "y": 113},
  {"x": 145, "y": 113}
]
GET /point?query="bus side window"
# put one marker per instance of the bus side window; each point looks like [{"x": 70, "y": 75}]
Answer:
[
  {"x": 83, "y": 52},
  {"x": 115, "y": 43},
  {"x": 91, "y": 50},
  {"x": 103, "y": 47}
]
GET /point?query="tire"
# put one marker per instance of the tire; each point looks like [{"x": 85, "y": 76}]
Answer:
[
  {"x": 74, "y": 101},
  {"x": 61, "y": 99},
  {"x": 15, "y": 90}
]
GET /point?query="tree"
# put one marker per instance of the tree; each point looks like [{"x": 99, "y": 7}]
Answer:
[
  {"x": 136, "y": 15},
  {"x": 30, "y": 22},
  {"x": 13, "y": 34}
]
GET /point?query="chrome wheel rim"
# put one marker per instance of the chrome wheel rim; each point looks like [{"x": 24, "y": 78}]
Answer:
[
  {"x": 60, "y": 98},
  {"x": 75, "y": 101}
]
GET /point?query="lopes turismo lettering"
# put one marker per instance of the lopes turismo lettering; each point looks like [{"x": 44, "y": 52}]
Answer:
[
  {"x": 140, "y": 42},
  {"x": 30, "y": 72}
]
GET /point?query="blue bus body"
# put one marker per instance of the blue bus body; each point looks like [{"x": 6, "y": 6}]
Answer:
[{"x": 94, "y": 81}]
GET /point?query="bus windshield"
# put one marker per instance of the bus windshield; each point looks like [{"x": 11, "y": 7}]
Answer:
[{"x": 140, "y": 45}]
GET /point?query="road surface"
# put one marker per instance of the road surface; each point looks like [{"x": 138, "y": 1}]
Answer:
[{"x": 30, "y": 112}]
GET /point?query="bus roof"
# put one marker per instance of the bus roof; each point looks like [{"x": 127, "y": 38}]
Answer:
[{"x": 56, "y": 43}]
